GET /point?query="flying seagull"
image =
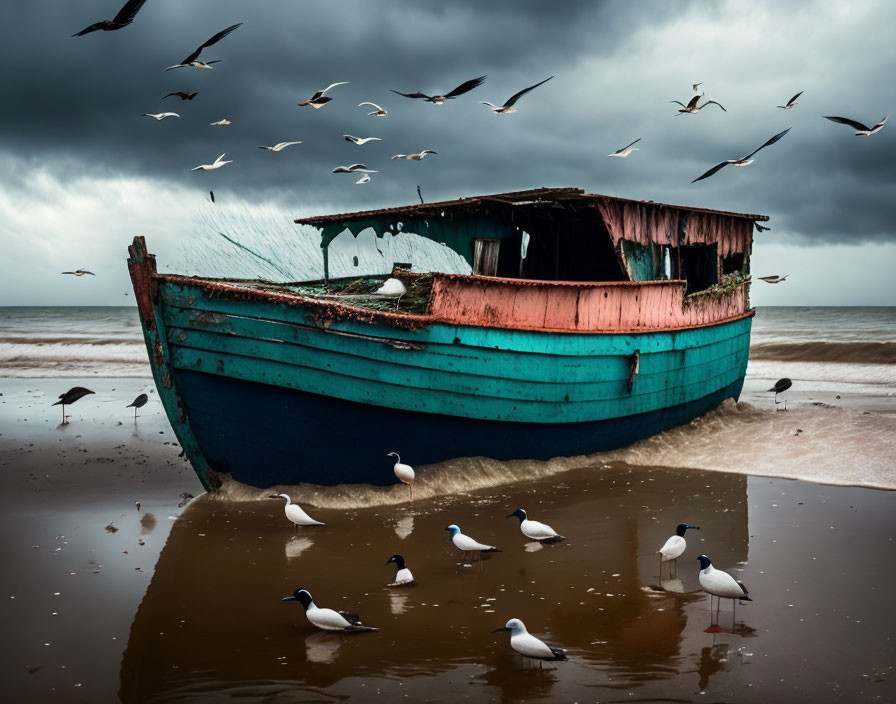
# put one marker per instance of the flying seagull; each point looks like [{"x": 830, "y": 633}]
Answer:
[
  {"x": 124, "y": 17},
  {"x": 674, "y": 547},
  {"x": 365, "y": 178},
  {"x": 183, "y": 94},
  {"x": 327, "y": 619},
  {"x": 216, "y": 165},
  {"x": 743, "y": 161},
  {"x": 697, "y": 85},
  {"x": 416, "y": 157},
  {"x": 192, "y": 59},
  {"x": 404, "y": 472},
  {"x": 719, "y": 584},
  {"x": 360, "y": 141},
  {"x": 791, "y": 102},
  {"x": 692, "y": 106},
  {"x": 318, "y": 100},
  {"x": 138, "y": 402},
  {"x": 280, "y": 146},
  {"x": 626, "y": 150},
  {"x": 69, "y": 397},
  {"x": 761, "y": 228},
  {"x": 535, "y": 530},
  {"x": 220, "y": 123},
  {"x": 450, "y": 95},
  {"x": 403, "y": 575},
  {"x": 352, "y": 169},
  {"x": 773, "y": 279},
  {"x": 295, "y": 513},
  {"x": 863, "y": 130},
  {"x": 378, "y": 112},
  {"x": 528, "y": 645},
  {"x": 507, "y": 107},
  {"x": 79, "y": 272},
  {"x": 159, "y": 115}
]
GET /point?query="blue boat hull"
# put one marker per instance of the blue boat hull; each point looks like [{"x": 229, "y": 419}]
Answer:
[{"x": 264, "y": 435}]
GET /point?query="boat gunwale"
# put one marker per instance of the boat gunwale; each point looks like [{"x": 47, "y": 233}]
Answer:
[{"x": 335, "y": 310}]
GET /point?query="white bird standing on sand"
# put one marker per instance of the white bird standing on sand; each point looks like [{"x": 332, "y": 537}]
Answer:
[
  {"x": 528, "y": 645},
  {"x": 192, "y": 59},
  {"x": 674, "y": 547},
  {"x": 863, "y": 130},
  {"x": 280, "y": 146},
  {"x": 791, "y": 102},
  {"x": 318, "y": 100},
  {"x": 159, "y": 115},
  {"x": 378, "y": 112},
  {"x": 466, "y": 544},
  {"x": 507, "y": 108},
  {"x": 416, "y": 157},
  {"x": 209, "y": 167},
  {"x": 364, "y": 179},
  {"x": 328, "y": 619},
  {"x": 403, "y": 575},
  {"x": 720, "y": 584},
  {"x": 626, "y": 150},
  {"x": 535, "y": 530},
  {"x": 360, "y": 141},
  {"x": 692, "y": 106},
  {"x": 295, "y": 513},
  {"x": 773, "y": 279},
  {"x": 352, "y": 169},
  {"x": 404, "y": 472},
  {"x": 743, "y": 161},
  {"x": 220, "y": 123}
]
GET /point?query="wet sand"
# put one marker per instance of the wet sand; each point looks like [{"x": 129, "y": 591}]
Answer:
[{"x": 194, "y": 612}]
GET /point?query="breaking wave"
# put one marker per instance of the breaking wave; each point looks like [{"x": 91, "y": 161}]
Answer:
[{"x": 849, "y": 352}]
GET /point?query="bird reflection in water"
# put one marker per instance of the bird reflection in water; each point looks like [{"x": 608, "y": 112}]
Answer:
[
  {"x": 404, "y": 526},
  {"x": 398, "y": 603},
  {"x": 321, "y": 647},
  {"x": 147, "y": 523},
  {"x": 295, "y": 546},
  {"x": 713, "y": 659}
]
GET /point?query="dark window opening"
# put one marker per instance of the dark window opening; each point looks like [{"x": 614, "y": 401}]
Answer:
[
  {"x": 699, "y": 266},
  {"x": 732, "y": 263}
]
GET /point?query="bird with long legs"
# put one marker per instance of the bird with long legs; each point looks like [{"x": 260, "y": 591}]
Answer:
[
  {"x": 791, "y": 103},
  {"x": 863, "y": 130},
  {"x": 721, "y": 585},
  {"x": 507, "y": 107},
  {"x": 626, "y": 150},
  {"x": 528, "y": 645},
  {"x": 535, "y": 530},
  {"x": 138, "y": 402},
  {"x": 296, "y": 514},
  {"x": 743, "y": 161},
  {"x": 328, "y": 619},
  {"x": 69, "y": 397},
  {"x": 404, "y": 472},
  {"x": 464, "y": 87},
  {"x": 193, "y": 59},
  {"x": 692, "y": 106},
  {"x": 467, "y": 545},
  {"x": 318, "y": 100},
  {"x": 124, "y": 17},
  {"x": 781, "y": 385},
  {"x": 674, "y": 547}
]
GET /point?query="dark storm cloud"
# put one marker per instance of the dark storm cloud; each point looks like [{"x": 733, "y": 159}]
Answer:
[{"x": 73, "y": 104}]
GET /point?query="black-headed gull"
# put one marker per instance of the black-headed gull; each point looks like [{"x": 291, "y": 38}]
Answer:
[
  {"x": 328, "y": 619},
  {"x": 674, "y": 547},
  {"x": 534, "y": 529}
]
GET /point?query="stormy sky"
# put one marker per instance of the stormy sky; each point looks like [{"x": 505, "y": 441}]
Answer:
[{"x": 81, "y": 172}]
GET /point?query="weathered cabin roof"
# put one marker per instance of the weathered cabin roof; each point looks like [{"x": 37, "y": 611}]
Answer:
[{"x": 473, "y": 204}]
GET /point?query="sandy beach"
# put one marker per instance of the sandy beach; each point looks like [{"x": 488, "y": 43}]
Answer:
[{"x": 182, "y": 603}]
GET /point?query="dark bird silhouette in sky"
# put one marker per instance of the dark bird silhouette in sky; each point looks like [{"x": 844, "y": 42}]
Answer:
[
  {"x": 183, "y": 94},
  {"x": 192, "y": 59},
  {"x": 318, "y": 100},
  {"x": 450, "y": 95},
  {"x": 69, "y": 397},
  {"x": 79, "y": 272},
  {"x": 507, "y": 108},
  {"x": 124, "y": 17},
  {"x": 791, "y": 102},
  {"x": 863, "y": 130},
  {"x": 743, "y": 161},
  {"x": 692, "y": 106}
]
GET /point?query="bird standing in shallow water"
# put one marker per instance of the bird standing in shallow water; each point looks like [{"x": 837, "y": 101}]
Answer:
[
  {"x": 781, "y": 385},
  {"x": 720, "y": 584},
  {"x": 403, "y": 576},
  {"x": 295, "y": 513},
  {"x": 535, "y": 530},
  {"x": 328, "y": 619},
  {"x": 404, "y": 472},
  {"x": 138, "y": 402},
  {"x": 674, "y": 547},
  {"x": 468, "y": 545},
  {"x": 69, "y": 397},
  {"x": 528, "y": 645}
]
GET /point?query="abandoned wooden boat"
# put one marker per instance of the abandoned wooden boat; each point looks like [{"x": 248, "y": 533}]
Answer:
[{"x": 587, "y": 322}]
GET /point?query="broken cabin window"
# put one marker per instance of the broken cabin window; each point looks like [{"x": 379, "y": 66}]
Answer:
[{"x": 485, "y": 257}]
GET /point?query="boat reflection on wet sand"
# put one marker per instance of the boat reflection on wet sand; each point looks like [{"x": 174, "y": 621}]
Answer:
[{"x": 212, "y": 623}]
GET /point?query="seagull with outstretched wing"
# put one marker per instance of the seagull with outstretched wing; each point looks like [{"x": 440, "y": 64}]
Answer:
[
  {"x": 318, "y": 100},
  {"x": 507, "y": 108},
  {"x": 124, "y": 17},
  {"x": 791, "y": 102},
  {"x": 626, "y": 150},
  {"x": 193, "y": 59},
  {"x": 743, "y": 161},
  {"x": 464, "y": 87},
  {"x": 863, "y": 130},
  {"x": 378, "y": 111},
  {"x": 692, "y": 106}
]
